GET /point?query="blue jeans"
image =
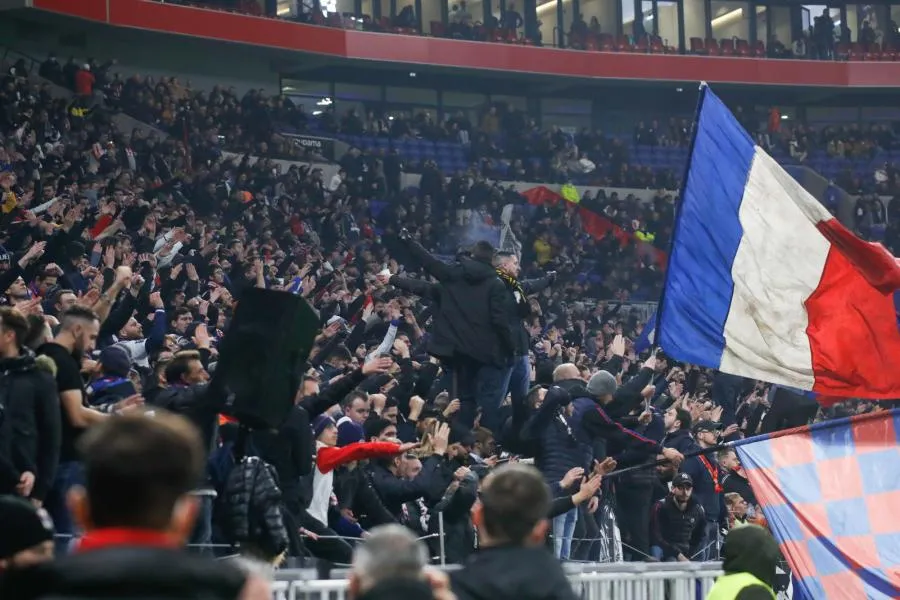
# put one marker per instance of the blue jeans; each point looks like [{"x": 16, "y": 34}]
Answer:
[
  {"x": 519, "y": 379},
  {"x": 68, "y": 475},
  {"x": 201, "y": 537},
  {"x": 657, "y": 553},
  {"x": 710, "y": 550},
  {"x": 563, "y": 531},
  {"x": 481, "y": 386}
]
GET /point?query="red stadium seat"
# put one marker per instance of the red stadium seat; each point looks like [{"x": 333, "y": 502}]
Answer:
[
  {"x": 759, "y": 49},
  {"x": 438, "y": 29},
  {"x": 697, "y": 46},
  {"x": 727, "y": 47},
  {"x": 742, "y": 48},
  {"x": 607, "y": 43},
  {"x": 712, "y": 47},
  {"x": 623, "y": 44}
]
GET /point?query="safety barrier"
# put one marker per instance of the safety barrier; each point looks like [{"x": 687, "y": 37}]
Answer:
[{"x": 622, "y": 581}]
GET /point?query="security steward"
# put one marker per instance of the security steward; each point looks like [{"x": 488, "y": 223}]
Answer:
[{"x": 749, "y": 557}]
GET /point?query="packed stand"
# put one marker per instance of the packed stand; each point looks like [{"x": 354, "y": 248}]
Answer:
[
  {"x": 123, "y": 259},
  {"x": 824, "y": 39}
]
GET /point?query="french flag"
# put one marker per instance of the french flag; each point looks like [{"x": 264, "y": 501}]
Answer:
[{"x": 763, "y": 282}]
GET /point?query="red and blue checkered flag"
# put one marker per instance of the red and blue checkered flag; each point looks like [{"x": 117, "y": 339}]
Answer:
[{"x": 831, "y": 495}]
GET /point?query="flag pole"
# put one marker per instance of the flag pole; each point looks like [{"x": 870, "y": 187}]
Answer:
[{"x": 704, "y": 87}]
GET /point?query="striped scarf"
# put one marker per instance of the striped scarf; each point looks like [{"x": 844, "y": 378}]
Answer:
[{"x": 516, "y": 288}]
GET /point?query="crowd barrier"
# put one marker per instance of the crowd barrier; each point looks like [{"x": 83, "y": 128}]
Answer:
[{"x": 619, "y": 581}]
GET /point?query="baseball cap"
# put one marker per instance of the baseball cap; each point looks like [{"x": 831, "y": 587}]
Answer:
[
  {"x": 706, "y": 426},
  {"x": 23, "y": 525},
  {"x": 682, "y": 479}
]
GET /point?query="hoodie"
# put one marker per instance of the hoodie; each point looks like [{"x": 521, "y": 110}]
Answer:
[{"x": 751, "y": 549}]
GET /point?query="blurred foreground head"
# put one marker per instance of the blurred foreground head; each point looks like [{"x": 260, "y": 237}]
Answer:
[
  {"x": 514, "y": 505},
  {"x": 390, "y": 563},
  {"x": 138, "y": 473}
]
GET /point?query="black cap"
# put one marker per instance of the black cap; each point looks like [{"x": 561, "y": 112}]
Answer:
[
  {"x": 682, "y": 479},
  {"x": 23, "y": 525},
  {"x": 706, "y": 426}
]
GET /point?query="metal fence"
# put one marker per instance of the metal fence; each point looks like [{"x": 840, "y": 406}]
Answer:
[{"x": 621, "y": 581}]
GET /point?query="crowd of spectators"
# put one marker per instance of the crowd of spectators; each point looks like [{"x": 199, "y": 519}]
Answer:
[
  {"x": 124, "y": 254},
  {"x": 824, "y": 39},
  {"x": 504, "y": 144}
]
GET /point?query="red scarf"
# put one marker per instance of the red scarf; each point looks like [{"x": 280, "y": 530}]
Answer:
[
  {"x": 115, "y": 536},
  {"x": 713, "y": 473}
]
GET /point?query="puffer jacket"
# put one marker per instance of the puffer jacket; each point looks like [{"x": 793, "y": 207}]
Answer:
[
  {"x": 253, "y": 507},
  {"x": 30, "y": 422}
]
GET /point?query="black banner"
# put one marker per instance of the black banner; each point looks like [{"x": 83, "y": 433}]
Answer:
[{"x": 323, "y": 147}]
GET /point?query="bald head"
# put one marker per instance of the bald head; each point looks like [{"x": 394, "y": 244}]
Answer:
[{"x": 565, "y": 371}]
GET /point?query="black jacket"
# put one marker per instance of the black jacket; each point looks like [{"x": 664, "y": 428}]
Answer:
[
  {"x": 459, "y": 532},
  {"x": 253, "y": 507},
  {"x": 676, "y": 531},
  {"x": 737, "y": 483},
  {"x": 512, "y": 573},
  {"x": 127, "y": 572},
  {"x": 430, "y": 484},
  {"x": 30, "y": 424},
  {"x": 517, "y": 309},
  {"x": 200, "y": 403},
  {"x": 471, "y": 320},
  {"x": 557, "y": 449}
]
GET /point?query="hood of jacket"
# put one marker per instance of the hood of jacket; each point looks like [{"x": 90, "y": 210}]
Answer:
[
  {"x": 512, "y": 573},
  {"x": 20, "y": 364},
  {"x": 576, "y": 388},
  {"x": 474, "y": 270},
  {"x": 751, "y": 549}
]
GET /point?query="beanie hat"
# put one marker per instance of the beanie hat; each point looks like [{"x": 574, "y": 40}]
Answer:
[
  {"x": 373, "y": 427},
  {"x": 602, "y": 383},
  {"x": 23, "y": 525},
  {"x": 115, "y": 361},
  {"x": 349, "y": 432},
  {"x": 320, "y": 424}
]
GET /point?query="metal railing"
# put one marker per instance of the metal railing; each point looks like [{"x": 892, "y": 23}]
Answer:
[{"x": 622, "y": 581}]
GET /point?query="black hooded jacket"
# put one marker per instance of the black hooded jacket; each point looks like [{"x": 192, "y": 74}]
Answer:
[
  {"x": 30, "y": 422},
  {"x": 512, "y": 573},
  {"x": 472, "y": 321}
]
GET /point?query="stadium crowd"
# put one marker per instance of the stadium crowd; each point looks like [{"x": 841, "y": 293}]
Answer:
[
  {"x": 123, "y": 257},
  {"x": 824, "y": 38}
]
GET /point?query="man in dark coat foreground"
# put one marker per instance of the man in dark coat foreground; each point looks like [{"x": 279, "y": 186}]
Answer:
[{"x": 512, "y": 561}]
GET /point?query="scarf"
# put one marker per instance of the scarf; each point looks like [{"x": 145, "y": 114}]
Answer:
[{"x": 518, "y": 293}]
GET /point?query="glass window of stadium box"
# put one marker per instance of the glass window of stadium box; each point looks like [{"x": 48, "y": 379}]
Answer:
[
  {"x": 312, "y": 95},
  {"x": 696, "y": 23},
  {"x": 351, "y": 96},
  {"x": 602, "y": 18},
  {"x": 518, "y": 102},
  {"x": 410, "y": 102},
  {"x": 730, "y": 20},
  {"x": 667, "y": 24},
  {"x": 470, "y": 105},
  {"x": 569, "y": 114},
  {"x": 777, "y": 26},
  {"x": 548, "y": 17}
]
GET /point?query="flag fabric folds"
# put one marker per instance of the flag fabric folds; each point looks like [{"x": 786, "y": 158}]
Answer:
[
  {"x": 830, "y": 493},
  {"x": 648, "y": 335},
  {"x": 763, "y": 282}
]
